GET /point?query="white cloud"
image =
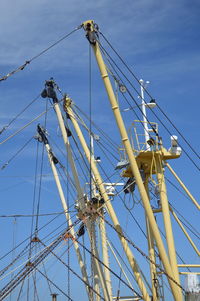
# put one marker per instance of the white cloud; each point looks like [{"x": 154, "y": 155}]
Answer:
[
  {"x": 152, "y": 36},
  {"x": 31, "y": 27}
]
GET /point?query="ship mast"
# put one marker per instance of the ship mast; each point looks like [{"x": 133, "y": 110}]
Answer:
[
  {"x": 145, "y": 165},
  {"x": 151, "y": 246},
  {"x": 82, "y": 205},
  {"x": 91, "y": 31}
]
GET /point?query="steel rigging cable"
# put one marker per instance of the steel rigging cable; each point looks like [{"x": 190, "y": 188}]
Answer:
[
  {"x": 149, "y": 95},
  {"x": 28, "y": 268},
  {"x": 65, "y": 264},
  {"x": 142, "y": 253},
  {"x": 40, "y": 181},
  {"x": 16, "y": 154},
  {"x": 146, "y": 103},
  {"x": 109, "y": 139},
  {"x": 20, "y": 68},
  {"x": 20, "y": 113},
  {"x": 56, "y": 286},
  {"x": 44, "y": 226},
  {"x": 117, "y": 276},
  {"x": 194, "y": 231},
  {"x": 106, "y": 138},
  {"x": 118, "y": 194}
]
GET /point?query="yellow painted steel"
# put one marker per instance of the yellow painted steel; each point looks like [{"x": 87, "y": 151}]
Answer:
[
  {"x": 188, "y": 273},
  {"x": 134, "y": 168},
  {"x": 185, "y": 232},
  {"x": 146, "y": 160},
  {"x": 69, "y": 221},
  {"x": 120, "y": 265},
  {"x": 157, "y": 210},
  {"x": 184, "y": 273},
  {"x": 109, "y": 208},
  {"x": 98, "y": 269},
  {"x": 69, "y": 154},
  {"x": 94, "y": 262},
  {"x": 151, "y": 253},
  {"x": 166, "y": 217},
  {"x": 184, "y": 187},
  {"x": 102, "y": 227},
  {"x": 189, "y": 265}
]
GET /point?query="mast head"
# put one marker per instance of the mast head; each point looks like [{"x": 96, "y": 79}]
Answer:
[
  {"x": 88, "y": 25},
  {"x": 91, "y": 29}
]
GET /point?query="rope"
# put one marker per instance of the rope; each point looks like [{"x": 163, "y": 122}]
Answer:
[
  {"x": 150, "y": 96},
  {"x": 143, "y": 254},
  {"x": 112, "y": 143},
  {"x": 35, "y": 287},
  {"x": 117, "y": 276},
  {"x": 189, "y": 157},
  {"x": 104, "y": 51},
  {"x": 65, "y": 264},
  {"x": 44, "y": 226},
  {"x": 99, "y": 142},
  {"x": 22, "y": 128},
  {"x": 56, "y": 286},
  {"x": 20, "y": 291},
  {"x": 33, "y": 215},
  {"x": 197, "y": 234},
  {"x": 90, "y": 118},
  {"x": 27, "y": 269},
  {"x": 20, "y": 68},
  {"x": 20, "y": 113},
  {"x": 40, "y": 182},
  {"x": 14, "y": 260},
  {"x": 17, "y": 153}
]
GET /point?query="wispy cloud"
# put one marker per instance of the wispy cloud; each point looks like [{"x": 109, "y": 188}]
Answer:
[
  {"x": 156, "y": 38},
  {"x": 29, "y": 28}
]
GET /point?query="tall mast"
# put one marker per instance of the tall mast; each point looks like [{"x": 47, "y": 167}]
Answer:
[
  {"x": 50, "y": 92},
  {"x": 163, "y": 193},
  {"x": 91, "y": 35},
  {"x": 150, "y": 237},
  {"x": 42, "y": 137}
]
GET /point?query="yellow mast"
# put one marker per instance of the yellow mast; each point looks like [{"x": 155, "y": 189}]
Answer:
[
  {"x": 151, "y": 253},
  {"x": 108, "y": 204},
  {"x": 175, "y": 288}
]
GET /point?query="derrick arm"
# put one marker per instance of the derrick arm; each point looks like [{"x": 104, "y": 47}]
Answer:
[
  {"x": 183, "y": 186},
  {"x": 50, "y": 92},
  {"x": 52, "y": 160},
  {"x": 72, "y": 233},
  {"x": 108, "y": 204}
]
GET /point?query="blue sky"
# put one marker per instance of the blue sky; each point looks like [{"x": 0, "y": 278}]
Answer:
[{"x": 160, "y": 42}]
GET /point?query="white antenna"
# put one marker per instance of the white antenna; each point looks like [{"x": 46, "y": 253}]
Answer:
[{"x": 146, "y": 130}]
